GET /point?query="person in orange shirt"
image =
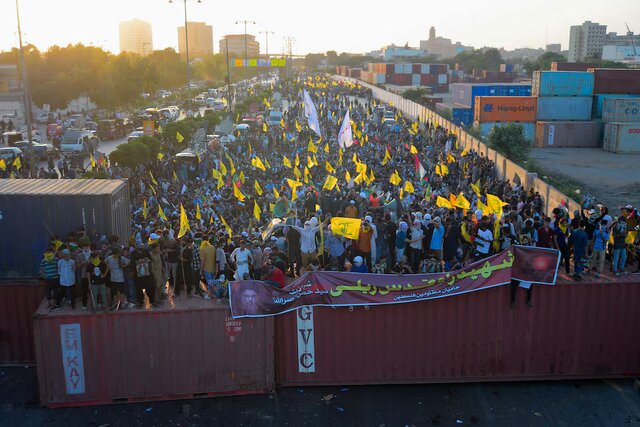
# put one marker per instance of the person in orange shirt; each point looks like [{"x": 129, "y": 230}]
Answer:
[
  {"x": 364, "y": 242},
  {"x": 351, "y": 211}
]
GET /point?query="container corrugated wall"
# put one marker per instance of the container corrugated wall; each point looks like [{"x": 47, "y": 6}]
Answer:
[
  {"x": 611, "y": 80},
  {"x": 18, "y": 302},
  {"x": 598, "y": 102},
  {"x": 151, "y": 355},
  {"x": 564, "y": 108},
  {"x": 32, "y": 209},
  {"x": 562, "y": 83},
  {"x": 505, "y": 109},
  {"x": 621, "y": 138},
  {"x": 572, "y": 331},
  {"x": 621, "y": 110},
  {"x": 568, "y": 134}
]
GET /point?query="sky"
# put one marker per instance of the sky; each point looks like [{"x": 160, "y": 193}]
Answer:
[{"x": 318, "y": 26}]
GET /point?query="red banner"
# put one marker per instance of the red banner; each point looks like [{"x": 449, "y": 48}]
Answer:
[{"x": 251, "y": 298}]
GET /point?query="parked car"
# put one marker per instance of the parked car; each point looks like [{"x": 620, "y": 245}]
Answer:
[
  {"x": 92, "y": 126},
  {"x": 9, "y": 138},
  {"x": 35, "y": 135},
  {"x": 44, "y": 118},
  {"x": 42, "y": 151},
  {"x": 135, "y": 135},
  {"x": 8, "y": 154},
  {"x": 77, "y": 141},
  {"x": 107, "y": 129}
]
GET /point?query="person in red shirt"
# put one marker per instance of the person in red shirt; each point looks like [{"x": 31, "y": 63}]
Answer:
[
  {"x": 274, "y": 276},
  {"x": 545, "y": 234}
]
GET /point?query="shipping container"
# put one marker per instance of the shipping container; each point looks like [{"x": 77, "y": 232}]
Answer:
[
  {"x": 398, "y": 68},
  {"x": 506, "y": 68},
  {"x": 465, "y": 93},
  {"x": 415, "y": 79},
  {"x": 18, "y": 301},
  {"x": 568, "y": 134},
  {"x": 571, "y": 66},
  {"x": 484, "y": 128},
  {"x": 32, "y": 209},
  {"x": 462, "y": 116},
  {"x": 505, "y": 109},
  {"x": 428, "y": 80},
  {"x": 379, "y": 78},
  {"x": 355, "y": 73},
  {"x": 400, "y": 79},
  {"x": 611, "y": 80},
  {"x": 598, "y": 102},
  {"x": 564, "y": 108},
  {"x": 562, "y": 83},
  {"x": 573, "y": 330},
  {"x": 621, "y": 110},
  {"x": 442, "y": 79},
  {"x": 621, "y": 137},
  {"x": 425, "y": 69},
  {"x": 193, "y": 349}
]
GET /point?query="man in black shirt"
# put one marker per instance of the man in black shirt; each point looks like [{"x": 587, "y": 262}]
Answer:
[{"x": 141, "y": 262}]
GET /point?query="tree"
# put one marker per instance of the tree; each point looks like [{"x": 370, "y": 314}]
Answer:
[
  {"x": 543, "y": 62},
  {"x": 414, "y": 94},
  {"x": 488, "y": 59},
  {"x": 510, "y": 141},
  {"x": 139, "y": 151}
]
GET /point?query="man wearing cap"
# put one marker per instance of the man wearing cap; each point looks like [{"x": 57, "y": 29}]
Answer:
[
  {"x": 358, "y": 265},
  {"x": 351, "y": 211},
  {"x": 437, "y": 238},
  {"x": 242, "y": 257},
  {"x": 308, "y": 242}
]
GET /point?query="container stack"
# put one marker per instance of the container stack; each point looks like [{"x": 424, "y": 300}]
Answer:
[
  {"x": 564, "y": 102},
  {"x": 613, "y": 83},
  {"x": 434, "y": 76},
  {"x": 491, "y": 111},
  {"x": 464, "y": 96},
  {"x": 621, "y": 118}
]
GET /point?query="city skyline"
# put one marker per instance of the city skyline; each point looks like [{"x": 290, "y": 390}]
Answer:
[{"x": 474, "y": 24}]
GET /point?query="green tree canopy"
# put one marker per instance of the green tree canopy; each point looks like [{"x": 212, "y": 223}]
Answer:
[{"x": 510, "y": 141}]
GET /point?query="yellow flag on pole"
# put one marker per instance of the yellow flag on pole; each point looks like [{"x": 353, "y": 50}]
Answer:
[
  {"x": 465, "y": 151},
  {"x": 257, "y": 187},
  {"x": 259, "y": 165},
  {"x": 161, "y": 214},
  {"x": 238, "y": 194},
  {"x": 184, "y": 222},
  {"x": 387, "y": 156},
  {"x": 152, "y": 178},
  {"x": 17, "y": 163},
  {"x": 160, "y": 156},
  {"x": 330, "y": 182},
  {"x": 408, "y": 187},
  {"x": 311, "y": 147},
  {"x": 441, "y": 202},
  {"x": 452, "y": 199},
  {"x": 347, "y": 227},
  {"x": 347, "y": 176},
  {"x": 286, "y": 162},
  {"x": 462, "y": 202},
  {"x": 3, "y": 165},
  {"x": 495, "y": 204},
  {"x": 179, "y": 137},
  {"x": 229, "y": 230},
  {"x": 223, "y": 168},
  {"x": 144, "y": 209},
  {"x": 395, "y": 178},
  {"x": 256, "y": 210},
  {"x": 198, "y": 213},
  {"x": 326, "y": 147},
  {"x": 476, "y": 188},
  {"x": 328, "y": 167},
  {"x": 413, "y": 149},
  {"x": 276, "y": 193}
]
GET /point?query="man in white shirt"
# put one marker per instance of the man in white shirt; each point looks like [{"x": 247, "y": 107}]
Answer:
[
  {"x": 484, "y": 237},
  {"x": 66, "y": 270},
  {"x": 307, "y": 242}
]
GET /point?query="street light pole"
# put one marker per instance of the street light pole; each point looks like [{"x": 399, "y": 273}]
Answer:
[
  {"x": 27, "y": 99},
  {"x": 266, "y": 33},
  {"x": 186, "y": 42},
  {"x": 246, "y": 54}
]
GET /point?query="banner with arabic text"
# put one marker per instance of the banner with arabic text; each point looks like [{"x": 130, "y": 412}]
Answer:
[{"x": 251, "y": 298}]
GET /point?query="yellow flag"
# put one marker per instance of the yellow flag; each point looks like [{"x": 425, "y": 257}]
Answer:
[
  {"x": 282, "y": 123},
  {"x": 256, "y": 210},
  {"x": 307, "y": 175},
  {"x": 237, "y": 193},
  {"x": 242, "y": 177},
  {"x": 223, "y": 168},
  {"x": 175, "y": 177},
  {"x": 495, "y": 204},
  {"x": 298, "y": 127},
  {"x": 413, "y": 149},
  {"x": 441, "y": 202},
  {"x": 297, "y": 174},
  {"x": 452, "y": 199},
  {"x": 395, "y": 178},
  {"x": 311, "y": 147},
  {"x": 347, "y": 176},
  {"x": 257, "y": 187},
  {"x": 159, "y": 129},
  {"x": 229, "y": 230},
  {"x": 496, "y": 234},
  {"x": 347, "y": 227},
  {"x": 152, "y": 178},
  {"x": 444, "y": 169},
  {"x": 315, "y": 160},
  {"x": 179, "y": 137},
  {"x": 3, "y": 165},
  {"x": 438, "y": 170},
  {"x": 408, "y": 187},
  {"x": 216, "y": 175},
  {"x": 161, "y": 213},
  {"x": 233, "y": 168},
  {"x": 354, "y": 159},
  {"x": 326, "y": 147},
  {"x": 144, "y": 209},
  {"x": 264, "y": 127},
  {"x": 297, "y": 161},
  {"x": 387, "y": 156},
  {"x": 330, "y": 182},
  {"x": 286, "y": 162},
  {"x": 310, "y": 163},
  {"x": 328, "y": 167},
  {"x": 631, "y": 237},
  {"x": 17, "y": 163},
  {"x": 293, "y": 184},
  {"x": 476, "y": 188},
  {"x": 465, "y": 151},
  {"x": 276, "y": 193},
  {"x": 450, "y": 158},
  {"x": 184, "y": 222},
  {"x": 271, "y": 207},
  {"x": 484, "y": 208},
  {"x": 259, "y": 165},
  {"x": 339, "y": 156},
  {"x": 198, "y": 213},
  {"x": 371, "y": 176},
  {"x": 361, "y": 167},
  {"x": 359, "y": 178},
  {"x": 462, "y": 202},
  {"x": 160, "y": 156}
]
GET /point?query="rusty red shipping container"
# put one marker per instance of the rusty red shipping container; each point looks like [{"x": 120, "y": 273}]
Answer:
[
  {"x": 568, "y": 134},
  {"x": 573, "y": 330},
  {"x": 18, "y": 301},
  {"x": 193, "y": 350},
  {"x": 571, "y": 66},
  {"x": 612, "y": 80}
]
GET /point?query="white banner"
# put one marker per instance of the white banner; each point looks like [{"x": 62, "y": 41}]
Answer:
[
  {"x": 306, "y": 348},
  {"x": 71, "y": 343}
]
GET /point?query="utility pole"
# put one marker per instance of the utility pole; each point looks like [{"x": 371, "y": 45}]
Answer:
[
  {"x": 266, "y": 33},
  {"x": 186, "y": 42},
  {"x": 226, "y": 40},
  {"x": 246, "y": 54},
  {"x": 289, "y": 47},
  {"x": 27, "y": 99}
]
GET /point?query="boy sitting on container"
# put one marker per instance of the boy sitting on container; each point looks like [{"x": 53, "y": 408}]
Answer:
[{"x": 218, "y": 288}]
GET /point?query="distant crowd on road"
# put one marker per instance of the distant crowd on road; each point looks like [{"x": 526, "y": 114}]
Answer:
[{"x": 259, "y": 206}]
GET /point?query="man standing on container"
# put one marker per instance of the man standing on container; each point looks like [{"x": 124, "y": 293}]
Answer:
[
  {"x": 67, "y": 272},
  {"x": 141, "y": 261}
]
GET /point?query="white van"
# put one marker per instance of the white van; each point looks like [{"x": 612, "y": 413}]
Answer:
[{"x": 76, "y": 141}]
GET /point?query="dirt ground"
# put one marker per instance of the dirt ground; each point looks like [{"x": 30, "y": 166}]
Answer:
[{"x": 613, "y": 179}]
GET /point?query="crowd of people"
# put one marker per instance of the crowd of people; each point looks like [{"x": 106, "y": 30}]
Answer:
[{"x": 260, "y": 207}]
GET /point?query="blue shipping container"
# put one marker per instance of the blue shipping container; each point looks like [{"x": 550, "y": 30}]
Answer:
[
  {"x": 485, "y": 128},
  {"x": 462, "y": 116},
  {"x": 598, "y": 102},
  {"x": 465, "y": 93},
  {"x": 562, "y": 83},
  {"x": 564, "y": 108}
]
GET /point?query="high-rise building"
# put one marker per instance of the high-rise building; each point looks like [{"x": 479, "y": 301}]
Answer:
[
  {"x": 135, "y": 37},
  {"x": 554, "y": 48},
  {"x": 236, "y": 43},
  {"x": 586, "y": 41},
  {"x": 441, "y": 47},
  {"x": 200, "y": 39}
]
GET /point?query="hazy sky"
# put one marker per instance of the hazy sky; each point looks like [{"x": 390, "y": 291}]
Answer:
[{"x": 318, "y": 26}]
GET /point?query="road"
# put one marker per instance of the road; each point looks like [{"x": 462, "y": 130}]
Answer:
[{"x": 555, "y": 403}]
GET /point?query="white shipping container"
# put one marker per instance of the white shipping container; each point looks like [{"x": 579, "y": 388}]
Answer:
[
  {"x": 379, "y": 78},
  {"x": 415, "y": 79},
  {"x": 621, "y": 110},
  {"x": 442, "y": 79},
  {"x": 622, "y": 138},
  {"x": 398, "y": 68},
  {"x": 424, "y": 69}
]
